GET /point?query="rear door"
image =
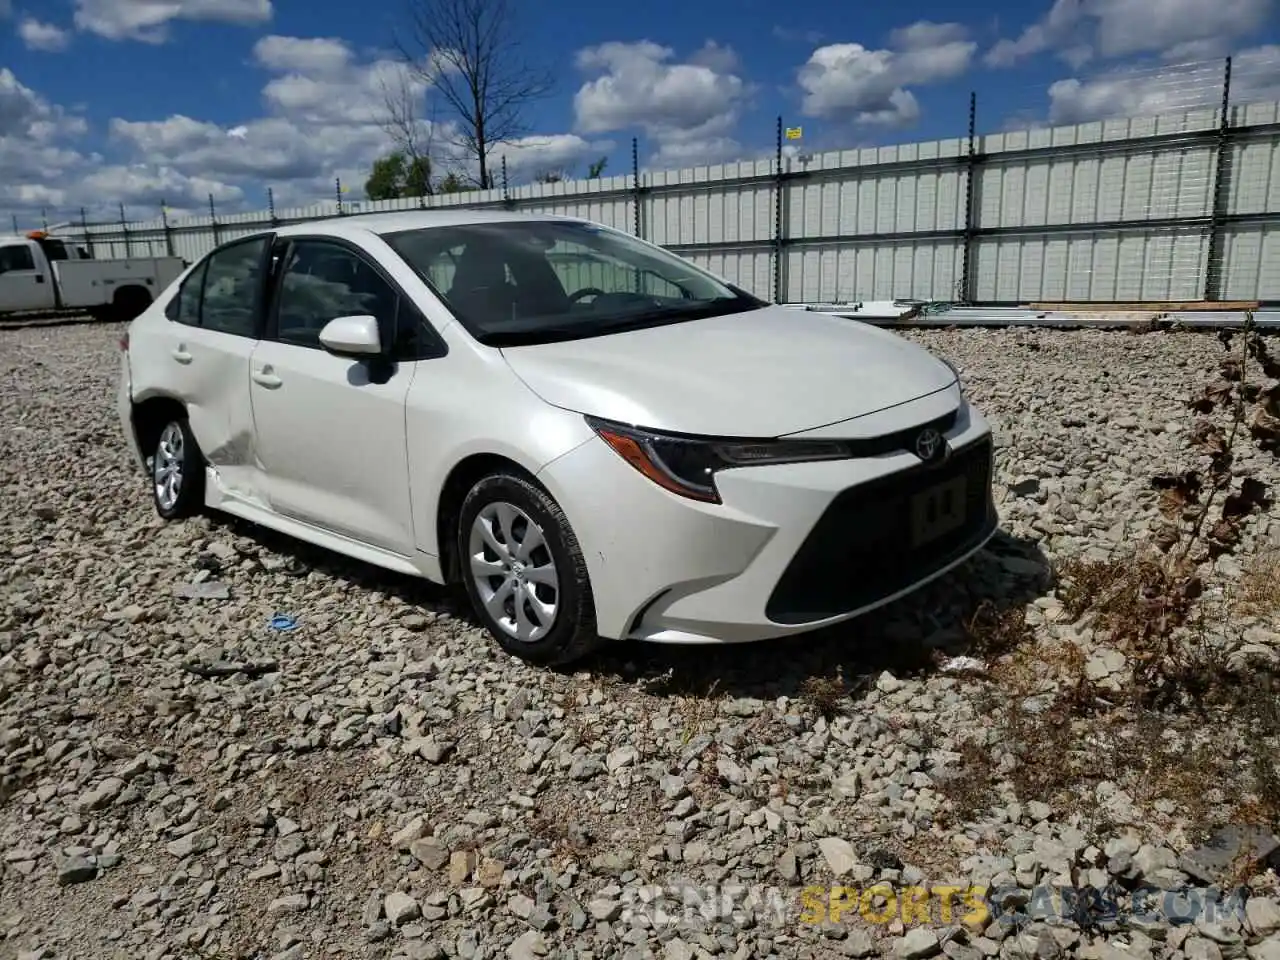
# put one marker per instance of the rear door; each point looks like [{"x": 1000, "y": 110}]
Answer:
[
  {"x": 330, "y": 431},
  {"x": 201, "y": 356},
  {"x": 24, "y": 284}
]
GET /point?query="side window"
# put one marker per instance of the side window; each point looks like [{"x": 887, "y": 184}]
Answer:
[
  {"x": 185, "y": 307},
  {"x": 323, "y": 281},
  {"x": 16, "y": 257},
  {"x": 231, "y": 288},
  {"x": 415, "y": 338}
]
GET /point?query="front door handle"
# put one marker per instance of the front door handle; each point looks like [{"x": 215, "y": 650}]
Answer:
[
  {"x": 181, "y": 355},
  {"x": 266, "y": 378},
  {"x": 39, "y": 278}
]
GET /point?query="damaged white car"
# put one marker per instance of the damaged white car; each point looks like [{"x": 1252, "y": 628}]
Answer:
[{"x": 595, "y": 438}]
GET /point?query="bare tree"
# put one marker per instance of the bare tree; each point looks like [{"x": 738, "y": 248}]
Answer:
[
  {"x": 413, "y": 134},
  {"x": 469, "y": 52}
]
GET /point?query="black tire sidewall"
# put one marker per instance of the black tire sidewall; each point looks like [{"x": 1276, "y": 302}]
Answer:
[
  {"x": 191, "y": 496},
  {"x": 575, "y": 624}
]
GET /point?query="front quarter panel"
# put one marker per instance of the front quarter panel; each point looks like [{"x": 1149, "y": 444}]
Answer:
[{"x": 469, "y": 404}]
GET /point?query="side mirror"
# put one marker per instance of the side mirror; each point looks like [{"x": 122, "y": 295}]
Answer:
[{"x": 352, "y": 337}]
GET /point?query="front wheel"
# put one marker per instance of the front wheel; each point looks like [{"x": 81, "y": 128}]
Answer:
[
  {"x": 177, "y": 472},
  {"x": 524, "y": 572}
]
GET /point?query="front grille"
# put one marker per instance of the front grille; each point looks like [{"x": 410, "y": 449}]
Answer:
[
  {"x": 901, "y": 439},
  {"x": 860, "y": 551}
]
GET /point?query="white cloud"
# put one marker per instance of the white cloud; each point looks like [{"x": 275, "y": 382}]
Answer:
[
  {"x": 322, "y": 114},
  {"x": 533, "y": 154},
  {"x": 1082, "y": 30},
  {"x": 1127, "y": 93},
  {"x": 43, "y": 36},
  {"x": 717, "y": 58},
  {"x": 310, "y": 55},
  {"x": 45, "y": 167},
  {"x": 148, "y": 21},
  {"x": 356, "y": 94},
  {"x": 149, "y": 186},
  {"x": 689, "y": 108},
  {"x": 325, "y": 119},
  {"x": 326, "y": 111},
  {"x": 272, "y": 149},
  {"x": 675, "y": 153},
  {"x": 847, "y": 81}
]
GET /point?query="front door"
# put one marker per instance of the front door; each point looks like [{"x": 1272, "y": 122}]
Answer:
[
  {"x": 22, "y": 286},
  {"x": 330, "y": 431}
]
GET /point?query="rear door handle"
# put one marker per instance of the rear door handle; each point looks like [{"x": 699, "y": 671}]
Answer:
[
  {"x": 181, "y": 355},
  {"x": 266, "y": 378},
  {"x": 39, "y": 278}
]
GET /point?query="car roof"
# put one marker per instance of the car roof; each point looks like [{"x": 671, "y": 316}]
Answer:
[{"x": 391, "y": 222}]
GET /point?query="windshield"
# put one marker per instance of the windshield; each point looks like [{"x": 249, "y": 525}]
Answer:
[{"x": 522, "y": 282}]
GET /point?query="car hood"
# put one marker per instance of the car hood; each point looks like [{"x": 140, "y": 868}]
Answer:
[{"x": 762, "y": 373}]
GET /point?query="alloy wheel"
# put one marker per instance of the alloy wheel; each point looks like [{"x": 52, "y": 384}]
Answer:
[
  {"x": 513, "y": 571},
  {"x": 166, "y": 467}
]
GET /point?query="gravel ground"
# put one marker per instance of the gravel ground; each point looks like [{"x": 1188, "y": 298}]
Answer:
[{"x": 178, "y": 780}]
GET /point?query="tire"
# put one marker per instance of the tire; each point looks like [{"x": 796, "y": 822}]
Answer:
[
  {"x": 525, "y": 630},
  {"x": 177, "y": 472},
  {"x": 129, "y": 303}
]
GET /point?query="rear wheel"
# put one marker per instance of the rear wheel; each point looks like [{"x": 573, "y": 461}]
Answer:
[
  {"x": 177, "y": 472},
  {"x": 524, "y": 572},
  {"x": 129, "y": 303}
]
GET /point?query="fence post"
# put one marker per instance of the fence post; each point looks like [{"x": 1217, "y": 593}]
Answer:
[
  {"x": 168, "y": 230},
  {"x": 777, "y": 219},
  {"x": 1220, "y": 195},
  {"x": 124, "y": 228},
  {"x": 14, "y": 217},
  {"x": 970, "y": 187},
  {"x": 213, "y": 223},
  {"x": 44, "y": 219},
  {"x": 506, "y": 186},
  {"x": 637, "y": 193},
  {"x": 271, "y": 208},
  {"x": 337, "y": 190},
  {"x": 88, "y": 237}
]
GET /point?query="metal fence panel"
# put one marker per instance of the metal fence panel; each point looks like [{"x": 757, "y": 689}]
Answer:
[{"x": 1178, "y": 206}]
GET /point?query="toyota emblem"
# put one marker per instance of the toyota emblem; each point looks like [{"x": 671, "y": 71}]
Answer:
[{"x": 929, "y": 444}]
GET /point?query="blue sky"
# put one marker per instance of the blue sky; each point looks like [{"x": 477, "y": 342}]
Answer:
[{"x": 108, "y": 101}]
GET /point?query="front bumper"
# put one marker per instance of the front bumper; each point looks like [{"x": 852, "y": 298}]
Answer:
[{"x": 793, "y": 547}]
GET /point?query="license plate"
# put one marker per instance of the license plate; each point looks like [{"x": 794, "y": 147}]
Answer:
[{"x": 937, "y": 511}]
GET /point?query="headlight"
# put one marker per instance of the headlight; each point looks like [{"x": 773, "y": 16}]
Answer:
[{"x": 687, "y": 465}]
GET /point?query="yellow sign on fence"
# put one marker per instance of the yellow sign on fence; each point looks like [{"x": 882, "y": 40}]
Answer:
[{"x": 794, "y": 133}]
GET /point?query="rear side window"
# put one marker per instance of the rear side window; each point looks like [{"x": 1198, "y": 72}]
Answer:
[
  {"x": 185, "y": 307},
  {"x": 231, "y": 282}
]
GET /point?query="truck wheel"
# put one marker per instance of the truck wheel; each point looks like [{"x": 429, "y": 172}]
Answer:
[
  {"x": 129, "y": 302},
  {"x": 177, "y": 472}
]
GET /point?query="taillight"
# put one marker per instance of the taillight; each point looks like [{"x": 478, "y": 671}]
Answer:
[{"x": 124, "y": 342}]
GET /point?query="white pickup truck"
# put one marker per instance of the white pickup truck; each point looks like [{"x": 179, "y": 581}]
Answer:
[{"x": 43, "y": 274}]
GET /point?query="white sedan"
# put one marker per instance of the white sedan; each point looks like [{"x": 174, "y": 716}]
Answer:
[{"x": 595, "y": 438}]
